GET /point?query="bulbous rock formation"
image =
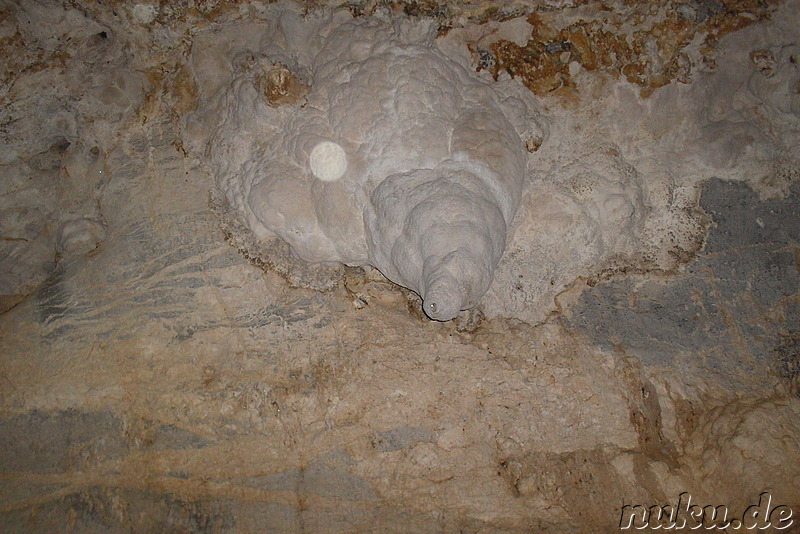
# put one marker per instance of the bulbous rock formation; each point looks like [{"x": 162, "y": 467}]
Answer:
[{"x": 399, "y": 157}]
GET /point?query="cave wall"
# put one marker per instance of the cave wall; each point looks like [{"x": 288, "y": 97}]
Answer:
[{"x": 162, "y": 370}]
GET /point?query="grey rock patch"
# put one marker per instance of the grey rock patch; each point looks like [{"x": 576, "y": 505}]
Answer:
[
  {"x": 402, "y": 437},
  {"x": 737, "y": 296},
  {"x": 123, "y": 510},
  {"x": 69, "y": 440},
  {"x": 174, "y": 437},
  {"x": 327, "y": 476},
  {"x": 743, "y": 220}
]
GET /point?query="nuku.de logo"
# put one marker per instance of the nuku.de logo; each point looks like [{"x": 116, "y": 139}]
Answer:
[{"x": 685, "y": 515}]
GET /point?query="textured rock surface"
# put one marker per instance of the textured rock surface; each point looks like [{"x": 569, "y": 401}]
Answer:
[{"x": 161, "y": 382}]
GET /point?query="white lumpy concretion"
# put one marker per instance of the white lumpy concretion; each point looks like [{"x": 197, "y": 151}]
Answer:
[
  {"x": 80, "y": 236},
  {"x": 400, "y": 158},
  {"x": 435, "y": 167},
  {"x": 328, "y": 161}
]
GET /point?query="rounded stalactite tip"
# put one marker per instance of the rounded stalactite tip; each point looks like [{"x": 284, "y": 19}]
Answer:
[{"x": 441, "y": 305}]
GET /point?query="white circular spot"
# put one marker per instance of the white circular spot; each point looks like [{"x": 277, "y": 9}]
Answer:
[{"x": 328, "y": 161}]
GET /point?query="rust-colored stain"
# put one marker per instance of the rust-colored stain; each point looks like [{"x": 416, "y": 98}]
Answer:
[
  {"x": 644, "y": 43},
  {"x": 280, "y": 86},
  {"x": 183, "y": 92}
]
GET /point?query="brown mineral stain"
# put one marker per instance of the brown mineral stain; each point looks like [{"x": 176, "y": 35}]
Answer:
[
  {"x": 643, "y": 42},
  {"x": 183, "y": 91},
  {"x": 280, "y": 86}
]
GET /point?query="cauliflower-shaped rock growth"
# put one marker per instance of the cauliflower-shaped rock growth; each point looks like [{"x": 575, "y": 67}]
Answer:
[{"x": 399, "y": 157}]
